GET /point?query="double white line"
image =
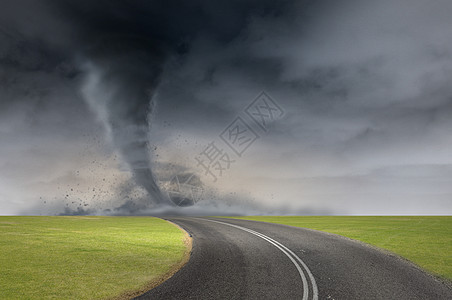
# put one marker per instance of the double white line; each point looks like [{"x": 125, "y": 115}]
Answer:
[{"x": 299, "y": 264}]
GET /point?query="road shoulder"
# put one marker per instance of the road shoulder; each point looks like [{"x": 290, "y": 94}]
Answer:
[{"x": 188, "y": 242}]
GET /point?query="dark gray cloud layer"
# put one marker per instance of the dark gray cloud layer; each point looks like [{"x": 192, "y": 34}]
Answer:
[
  {"x": 127, "y": 45},
  {"x": 123, "y": 48},
  {"x": 365, "y": 87}
]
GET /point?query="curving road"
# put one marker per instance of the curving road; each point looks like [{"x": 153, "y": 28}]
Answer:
[{"x": 238, "y": 259}]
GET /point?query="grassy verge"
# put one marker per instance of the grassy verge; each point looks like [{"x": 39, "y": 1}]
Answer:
[
  {"x": 85, "y": 257},
  {"x": 426, "y": 241}
]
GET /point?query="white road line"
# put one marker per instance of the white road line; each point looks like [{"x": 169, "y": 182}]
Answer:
[
  {"x": 303, "y": 277},
  {"x": 311, "y": 277},
  {"x": 289, "y": 254}
]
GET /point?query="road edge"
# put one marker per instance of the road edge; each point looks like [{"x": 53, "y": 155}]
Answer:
[{"x": 188, "y": 242}]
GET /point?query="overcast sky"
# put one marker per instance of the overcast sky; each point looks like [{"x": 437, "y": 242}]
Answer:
[{"x": 103, "y": 103}]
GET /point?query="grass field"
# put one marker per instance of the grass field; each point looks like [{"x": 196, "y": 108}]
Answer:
[
  {"x": 85, "y": 257},
  {"x": 426, "y": 241}
]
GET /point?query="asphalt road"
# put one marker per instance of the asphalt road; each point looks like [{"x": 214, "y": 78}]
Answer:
[{"x": 237, "y": 259}]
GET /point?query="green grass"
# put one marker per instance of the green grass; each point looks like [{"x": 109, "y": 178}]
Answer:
[
  {"x": 426, "y": 241},
  {"x": 84, "y": 257}
]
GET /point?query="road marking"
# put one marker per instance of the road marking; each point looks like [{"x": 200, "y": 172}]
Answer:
[{"x": 289, "y": 254}]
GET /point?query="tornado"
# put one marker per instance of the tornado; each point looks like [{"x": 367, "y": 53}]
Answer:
[
  {"x": 122, "y": 48},
  {"x": 122, "y": 75}
]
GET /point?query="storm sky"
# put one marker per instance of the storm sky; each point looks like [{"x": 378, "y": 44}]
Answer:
[{"x": 103, "y": 103}]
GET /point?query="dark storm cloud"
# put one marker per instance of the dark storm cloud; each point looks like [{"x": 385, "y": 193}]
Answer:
[
  {"x": 123, "y": 48},
  {"x": 127, "y": 46},
  {"x": 365, "y": 87}
]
